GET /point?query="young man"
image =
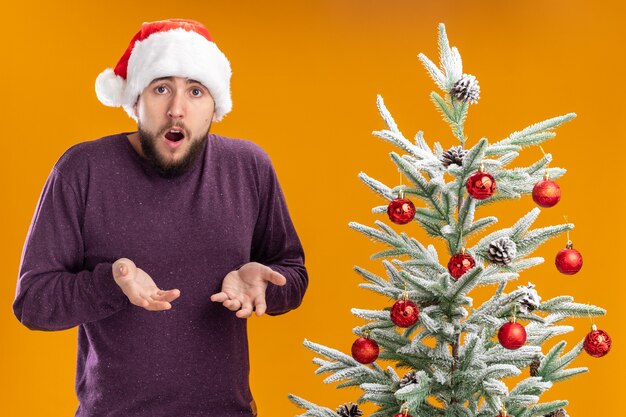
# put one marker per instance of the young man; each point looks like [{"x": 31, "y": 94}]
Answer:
[{"x": 158, "y": 244}]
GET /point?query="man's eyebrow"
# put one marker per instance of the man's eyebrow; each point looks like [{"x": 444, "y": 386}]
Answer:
[{"x": 188, "y": 81}]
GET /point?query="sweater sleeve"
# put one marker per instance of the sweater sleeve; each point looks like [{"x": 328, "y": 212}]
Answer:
[
  {"x": 276, "y": 245},
  {"x": 54, "y": 291}
]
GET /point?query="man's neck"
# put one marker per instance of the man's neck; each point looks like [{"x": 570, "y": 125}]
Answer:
[{"x": 134, "y": 140}]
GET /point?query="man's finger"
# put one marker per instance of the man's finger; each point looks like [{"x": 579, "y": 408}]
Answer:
[
  {"x": 120, "y": 270},
  {"x": 122, "y": 267},
  {"x": 169, "y": 295},
  {"x": 140, "y": 301},
  {"x": 135, "y": 297},
  {"x": 220, "y": 297},
  {"x": 259, "y": 305},
  {"x": 232, "y": 305},
  {"x": 158, "y": 306},
  {"x": 158, "y": 296},
  {"x": 246, "y": 310},
  {"x": 276, "y": 278},
  {"x": 154, "y": 305}
]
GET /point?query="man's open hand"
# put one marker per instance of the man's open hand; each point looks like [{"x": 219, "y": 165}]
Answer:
[
  {"x": 244, "y": 289},
  {"x": 140, "y": 288}
]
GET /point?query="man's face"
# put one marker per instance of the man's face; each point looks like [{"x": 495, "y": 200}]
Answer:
[{"x": 174, "y": 103}]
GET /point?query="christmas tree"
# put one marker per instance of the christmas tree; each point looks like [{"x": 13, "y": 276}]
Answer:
[{"x": 451, "y": 357}]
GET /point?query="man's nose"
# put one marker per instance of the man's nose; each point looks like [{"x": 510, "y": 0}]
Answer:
[{"x": 177, "y": 105}]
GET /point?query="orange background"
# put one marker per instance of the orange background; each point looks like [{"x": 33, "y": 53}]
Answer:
[{"x": 305, "y": 79}]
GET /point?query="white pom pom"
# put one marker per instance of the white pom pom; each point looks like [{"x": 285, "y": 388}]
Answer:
[{"x": 110, "y": 88}]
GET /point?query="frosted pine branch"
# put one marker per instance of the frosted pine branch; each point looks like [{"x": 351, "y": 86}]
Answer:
[
  {"x": 424, "y": 189},
  {"x": 375, "y": 279},
  {"x": 531, "y": 386},
  {"x": 536, "y": 133},
  {"x": 377, "y": 186},
  {"x": 536, "y": 237},
  {"x": 451, "y": 66},
  {"x": 463, "y": 285},
  {"x": 331, "y": 353},
  {"x": 312, "y": 409},
  {"x": 452, "y": 112},
  {"x": 370, "y": 314},
  {"x": 413, "y": 395},
  {"x": 384, "y": 113},
  {"x": 539, "y": 333},
  {"x": 374, "y": 234},
  {"x": 433, "y": 71},
  {"x": 544, "y": 408},
  {"x": 566, "y": 308}
]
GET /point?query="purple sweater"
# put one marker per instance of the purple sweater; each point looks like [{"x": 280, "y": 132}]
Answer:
[{"x": 103, "y": 201}]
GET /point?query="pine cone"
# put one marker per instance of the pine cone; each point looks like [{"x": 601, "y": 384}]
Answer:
[
  {"x": 466, "y": 89},
  {"x": 408, "y": 379},
  {"x": 558, "y": 413},
  {"x": 502, "y": 251},
  {"x": 531, "y": 299},
  {"x": 534, "y": 366},
  {"x": 349, "y": 410},
  {"x": 454, "y": 155}
]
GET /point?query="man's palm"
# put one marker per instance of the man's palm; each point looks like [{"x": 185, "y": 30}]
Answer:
[
  {"x": 244, "y": 289},
  {"x": 140, "y": 288}
]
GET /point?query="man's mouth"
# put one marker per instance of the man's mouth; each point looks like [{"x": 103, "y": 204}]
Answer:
[{"x": 174, "y": 135}]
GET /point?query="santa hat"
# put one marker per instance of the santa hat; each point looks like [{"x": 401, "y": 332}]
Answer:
[{"x": 167, "y": 48}]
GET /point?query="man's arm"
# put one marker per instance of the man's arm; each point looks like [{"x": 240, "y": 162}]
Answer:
[
  {"x": 276, "y": 245},
  {"x": 54, "y": 292}
]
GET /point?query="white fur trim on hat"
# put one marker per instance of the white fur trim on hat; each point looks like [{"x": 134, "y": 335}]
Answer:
[{"x": 110, "y": 88}]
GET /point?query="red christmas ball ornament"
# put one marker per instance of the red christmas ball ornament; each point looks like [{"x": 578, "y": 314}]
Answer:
[
  {"x": 401, "y": 210},
  {"x": 460, "y": 264},
  {"x": 404, "y": 313},
  {"x": 546, "y": 193},
  {"x": 365, "y": 350},
  {"x": 512, "y": 335},
  {"x": 597, "y": 342},
  {"x": 480, "y": 185},
  {"x": 568, "y": 261},
  {"x": 403, "y": 413}
]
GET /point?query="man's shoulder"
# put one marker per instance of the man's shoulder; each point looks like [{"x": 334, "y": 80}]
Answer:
[
  {"x": 78, "y": 156},
  {"x": 240, "y": 149}
]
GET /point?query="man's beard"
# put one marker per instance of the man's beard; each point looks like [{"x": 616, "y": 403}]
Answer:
[{"x": 170, "y": 169}]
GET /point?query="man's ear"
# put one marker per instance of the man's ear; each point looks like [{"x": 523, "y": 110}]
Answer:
[
  {"x": 214, "y": 119},
  {"x": 135, "y": 108}
]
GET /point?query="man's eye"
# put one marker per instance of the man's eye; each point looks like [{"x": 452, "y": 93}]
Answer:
[
  {"x": 160, "y": 89},
  {"x": 198, "y": 90}
]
